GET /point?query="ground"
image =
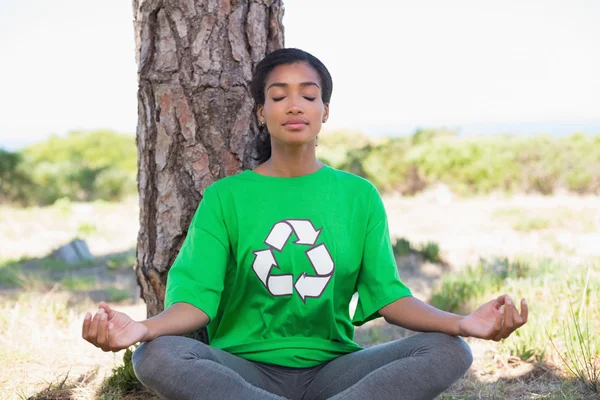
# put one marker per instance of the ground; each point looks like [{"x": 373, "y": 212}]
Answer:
[{"x": 41, "y": 349}]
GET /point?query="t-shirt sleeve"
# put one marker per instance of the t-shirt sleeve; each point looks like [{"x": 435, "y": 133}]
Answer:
[
  {"x": 197, "y": 276},
  {"x": 378, "y": 283}
]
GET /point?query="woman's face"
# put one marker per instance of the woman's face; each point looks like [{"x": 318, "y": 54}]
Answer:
[{"x": 293, "y": 109}]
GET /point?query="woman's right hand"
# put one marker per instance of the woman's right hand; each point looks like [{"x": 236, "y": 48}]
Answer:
[{"x": 112, "y": 330}]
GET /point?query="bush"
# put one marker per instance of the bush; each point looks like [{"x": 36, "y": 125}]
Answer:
[
  {"x": 477, "y": 165},
  {"x": 81, "y": 166},
  {"x": 14, "y": 182},
  {"x": 429, "y": 251}
]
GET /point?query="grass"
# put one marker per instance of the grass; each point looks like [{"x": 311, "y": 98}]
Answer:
[
  {"x": 116, "y": 294},
  {"x": 123, "y": 379},
  {"x": 122, "y": 261},
  {"x": 532, "y": 224},
  {"x": 51, "y": 360},
  {"x": 460, "y": 292},
  {"x": 78, "y": 283},
  {"x": 582, "y": 355},
  {"x": 552, "y": 289},
  {"x": 532, "y": 219},
  {"x": 429, "y": 251}
]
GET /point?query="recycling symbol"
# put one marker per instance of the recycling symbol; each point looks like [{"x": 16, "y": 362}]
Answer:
[{"x": 319, "y": 257}]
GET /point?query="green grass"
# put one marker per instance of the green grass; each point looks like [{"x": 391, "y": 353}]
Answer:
[
  {"x": 582, "y": 347},
  {"x": 458, "y": 292},
  {"x": 121, "y": 261},
  {"x": 529, "y": 224},
  {"x": 77, "y": 283},
  {"x": 122, "y": 380},
  {"x": 31, "y": 273},
  {"x": 552, "y": 289},
  {"x": 114, "y": 294},
  {"x": 86, "y": 229},
  {"x": 528, "y": 220},
  {"x": 10, "y": 275},
  {"x": 430, "y": 251}
]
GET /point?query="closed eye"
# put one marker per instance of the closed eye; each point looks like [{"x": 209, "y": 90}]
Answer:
[{"x": 276, "y": 99}]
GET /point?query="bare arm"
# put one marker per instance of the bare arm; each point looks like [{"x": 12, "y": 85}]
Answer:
[
  {"x": 179, "y": 319},
  {"x": 494, "y": 320},
  {"x": 411, "y": 313},
  {"x": 112, "y": 330}
]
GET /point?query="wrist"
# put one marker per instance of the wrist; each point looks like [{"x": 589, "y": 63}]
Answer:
[
  {"x": 150, "y": 334},
  {"x": 458, "y": 326}
]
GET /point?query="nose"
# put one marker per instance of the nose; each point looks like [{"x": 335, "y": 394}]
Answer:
[{"x": 294, "y": 107}]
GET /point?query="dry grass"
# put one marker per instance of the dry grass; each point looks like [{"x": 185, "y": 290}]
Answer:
[
  {"x": 41, "y": 346},
  {"x": 44, "y": 357}
]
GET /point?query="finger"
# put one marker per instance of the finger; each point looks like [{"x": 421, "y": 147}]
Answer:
[
  {"x": 517, "y": 319},
  {"x": 496, "y": 304},
  {"x": 109, "y": 311},
  {"x": 101, "y": 339},
  {"x": 524, "y": 310},
  {"x": 502, "y": 299},
  {"x": 109, "y": 339},
  {"x": 498, "y": 324},
  {"x": 87, "y": 320},
  {"x": 509, "y": 321},
  {"x": 110, "y": 333},
  {"x": 93, "y": 332}
]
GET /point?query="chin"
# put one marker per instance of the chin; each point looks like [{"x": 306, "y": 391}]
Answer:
[{"x": 294, "y": 139}]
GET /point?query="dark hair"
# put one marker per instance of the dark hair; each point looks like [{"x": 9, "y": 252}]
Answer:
[
  {"x": 259, "y": 78},
  {"x": 285, "y": 57}
]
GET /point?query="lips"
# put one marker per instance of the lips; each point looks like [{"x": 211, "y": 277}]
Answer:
[{"x": 295, "y": 123}]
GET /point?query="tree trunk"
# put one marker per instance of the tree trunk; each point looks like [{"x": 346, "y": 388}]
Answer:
[{"x": 195, "y": 119}]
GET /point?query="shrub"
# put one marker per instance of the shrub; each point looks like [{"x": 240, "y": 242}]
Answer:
[
  {"x": 80, "y": 166},
  {"x": 123, "y": 379},
  {"x": 469, "y": 166}
]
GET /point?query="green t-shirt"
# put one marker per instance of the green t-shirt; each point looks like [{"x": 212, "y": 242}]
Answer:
[{"x": 274, "y": 263}]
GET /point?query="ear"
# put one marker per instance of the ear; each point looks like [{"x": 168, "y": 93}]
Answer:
[
  {"x": 260, "y": 113},
  {"x": 326, "y": 113}
]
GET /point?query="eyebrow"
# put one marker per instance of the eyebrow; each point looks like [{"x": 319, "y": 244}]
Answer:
[{"x": 285, "y": 85}]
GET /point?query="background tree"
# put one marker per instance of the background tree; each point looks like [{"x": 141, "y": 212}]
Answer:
[{"x": 195, "y": 114}]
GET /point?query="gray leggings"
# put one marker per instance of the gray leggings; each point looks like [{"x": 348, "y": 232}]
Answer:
[{"x": 418, "y": 367}]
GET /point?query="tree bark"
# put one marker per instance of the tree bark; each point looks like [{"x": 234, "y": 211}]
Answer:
[{"x": 195, "y": 114}]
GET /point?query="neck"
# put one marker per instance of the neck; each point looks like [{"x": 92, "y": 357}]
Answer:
[{"x": 288, "y": 162}]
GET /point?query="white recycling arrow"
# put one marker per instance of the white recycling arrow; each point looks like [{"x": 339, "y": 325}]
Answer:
[
  {"x": 281, "y": 285},
  {"x": 320, "y": 259},
  {"x": 262, "y": 264},
  {"x": 305, "y": 231},
  {"x": 279, "y": 235},
  {"x": 311, "y": 286},
  {"x": 278, "y": 285}
]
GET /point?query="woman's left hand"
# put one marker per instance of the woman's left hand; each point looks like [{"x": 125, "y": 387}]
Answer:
[{"x": 494, "y": 322}]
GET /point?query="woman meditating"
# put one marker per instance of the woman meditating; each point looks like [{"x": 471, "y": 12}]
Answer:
[{"x": 270, "y": 263}]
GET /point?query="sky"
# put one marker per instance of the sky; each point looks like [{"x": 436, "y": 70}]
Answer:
[{"x": 478, "y": 66}]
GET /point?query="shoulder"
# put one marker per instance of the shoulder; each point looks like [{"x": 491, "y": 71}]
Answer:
[
  {"x": 354, "y": 182},
  {"x": 227, "y": 183}
]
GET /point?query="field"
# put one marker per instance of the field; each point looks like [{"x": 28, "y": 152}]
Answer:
[{"x": 544, "y": 248}]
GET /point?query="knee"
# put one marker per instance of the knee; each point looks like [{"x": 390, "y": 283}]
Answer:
[
  {"x": 150, "y": 359},
  {"x": 456, "y": 349},
  {"x": 153, "y": 358},
  {"x": 144, "y": 363}
]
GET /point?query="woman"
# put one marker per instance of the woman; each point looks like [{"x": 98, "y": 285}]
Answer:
[{"x": 271, "y": 260}]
